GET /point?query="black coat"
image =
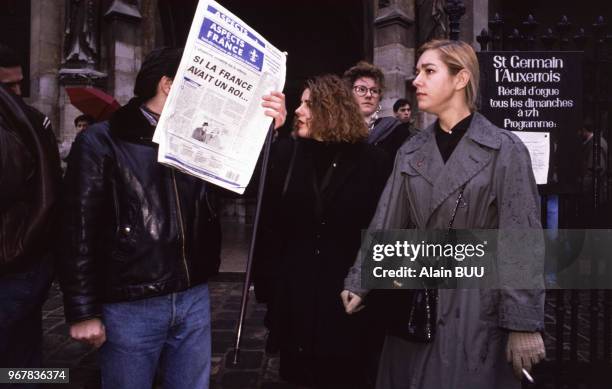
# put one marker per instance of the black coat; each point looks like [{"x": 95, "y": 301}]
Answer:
[
  {"x": 319, "y": 240},
  {"x": 30, "y": 176},
  {"x": 132, "y": 227},
  {"x": 389, "y": 134}
]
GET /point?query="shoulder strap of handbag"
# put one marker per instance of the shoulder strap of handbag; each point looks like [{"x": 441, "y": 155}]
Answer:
[{"x": 434, "y": 291}]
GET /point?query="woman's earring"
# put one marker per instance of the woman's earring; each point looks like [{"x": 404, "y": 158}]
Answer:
[{"x": 379, "y": 108}]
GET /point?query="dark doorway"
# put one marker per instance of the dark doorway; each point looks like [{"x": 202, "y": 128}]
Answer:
[{"x": 319, "y": 36}]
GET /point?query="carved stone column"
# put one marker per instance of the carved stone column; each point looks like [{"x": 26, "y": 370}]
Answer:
[
  {"x": 45, "y": 53},
  {"x": 476, "y": 19},
  {"x": 124, "y": 47},
  {"x": 394, "y": 48},
  {"x": 81, "y": 62}
]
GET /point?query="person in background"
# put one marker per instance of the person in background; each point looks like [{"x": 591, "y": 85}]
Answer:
[
  {"x": 367, "y": 83},
  {"x": 81, "y": 122},
  {"x": 463, "y": 172},
  {"x": 402, "y": 110},
  {"x": 588, "y": 216},
  {"x": 30, "y": 178},
  {"x": 587, "y": 166}
]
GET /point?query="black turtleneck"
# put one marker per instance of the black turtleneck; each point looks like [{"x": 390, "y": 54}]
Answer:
[{"x": 447, "y": 141}]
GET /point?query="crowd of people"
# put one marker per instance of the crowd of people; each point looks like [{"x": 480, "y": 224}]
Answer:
[{"x": 139, "y": 240}]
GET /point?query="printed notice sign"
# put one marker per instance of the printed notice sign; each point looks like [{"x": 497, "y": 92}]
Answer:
[
  {"x": 538, "y": 144},
  {"x": 537, "y": 92},
  {"x": 213, "y": 125}
]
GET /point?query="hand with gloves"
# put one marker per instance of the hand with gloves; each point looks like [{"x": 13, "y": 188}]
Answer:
[{"x": 524, "y": 350}]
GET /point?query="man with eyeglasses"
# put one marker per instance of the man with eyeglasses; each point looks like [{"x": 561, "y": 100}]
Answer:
[{"x": 367, "y": 83}]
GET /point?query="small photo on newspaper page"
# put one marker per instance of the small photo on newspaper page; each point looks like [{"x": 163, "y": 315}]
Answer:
[{"x": 213, "y": 125}]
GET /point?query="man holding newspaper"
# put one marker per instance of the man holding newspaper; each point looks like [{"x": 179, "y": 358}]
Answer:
[
  {"x": 140, "y": 235},
  {"x": 140, "y": 240}
]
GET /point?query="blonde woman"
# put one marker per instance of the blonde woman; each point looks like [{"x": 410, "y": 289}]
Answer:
[{"x": 481, "y": 336}]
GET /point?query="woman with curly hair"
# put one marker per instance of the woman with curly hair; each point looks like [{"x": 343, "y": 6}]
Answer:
[{"x": 326, "y": 193}]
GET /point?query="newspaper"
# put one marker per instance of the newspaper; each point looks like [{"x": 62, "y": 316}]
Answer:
[{"x": 213, "y": 125}]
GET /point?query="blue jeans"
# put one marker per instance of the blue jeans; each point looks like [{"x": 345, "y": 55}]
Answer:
[
  {"x": 171, "y": 331},
  {"x": 22, "y": 296}
]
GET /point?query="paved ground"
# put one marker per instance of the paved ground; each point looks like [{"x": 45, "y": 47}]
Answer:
[
  {"x": 255, "y": 370},
  {"x": 235, "y": 247}
]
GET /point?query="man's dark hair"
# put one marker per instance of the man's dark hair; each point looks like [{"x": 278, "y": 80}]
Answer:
[
  {"x": 8, "y": 57},
  {"x": 83, "y": 118},
  {"x": 158, "y": 63},
  {"x": 364, "y": 69},
  {"x": 399, "y": 104}
]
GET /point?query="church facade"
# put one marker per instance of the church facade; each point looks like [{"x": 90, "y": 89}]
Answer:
[{"x": 101, "y": 43}]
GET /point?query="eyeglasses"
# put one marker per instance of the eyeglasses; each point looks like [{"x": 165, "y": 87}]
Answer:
[{"x": 361, "y": 91}]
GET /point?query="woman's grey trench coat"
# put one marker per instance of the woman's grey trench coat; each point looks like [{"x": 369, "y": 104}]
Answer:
[{"x": 469, "y": 347}]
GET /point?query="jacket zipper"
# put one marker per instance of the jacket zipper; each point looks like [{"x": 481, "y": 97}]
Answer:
[
  {"x": 180, "y": 217},
  {"x": 116, "y": 202}
]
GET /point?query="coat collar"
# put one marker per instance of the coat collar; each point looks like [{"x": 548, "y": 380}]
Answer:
[
  {"x": 383, "y": 127},
  {"x": 481, "y": 131},
  {"x": 130, "y": 124},
  {"x": 471, "y": 155}
]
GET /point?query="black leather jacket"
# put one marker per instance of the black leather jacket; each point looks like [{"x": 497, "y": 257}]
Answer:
[
  {"x": 133, "y": 228},
  {"x": 30, "y": 177}
]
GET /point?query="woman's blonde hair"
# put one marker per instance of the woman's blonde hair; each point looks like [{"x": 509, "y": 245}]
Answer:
[
  {"x": 458, "y": 56},
  {"x": 335, "y": 116}
]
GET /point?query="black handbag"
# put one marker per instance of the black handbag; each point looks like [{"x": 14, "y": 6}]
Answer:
[{"x": 418, "y": 323}]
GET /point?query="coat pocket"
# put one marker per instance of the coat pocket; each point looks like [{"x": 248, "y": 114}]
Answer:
[
  {"x": 128, "y": 230},
  {"x": 124, "y": 242}
]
